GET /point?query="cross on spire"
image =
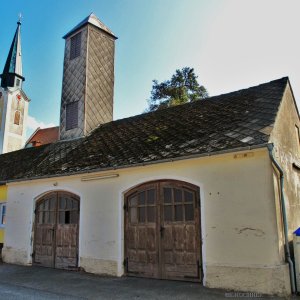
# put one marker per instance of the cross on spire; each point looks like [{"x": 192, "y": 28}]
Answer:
[{"x": 20, "y": 17}]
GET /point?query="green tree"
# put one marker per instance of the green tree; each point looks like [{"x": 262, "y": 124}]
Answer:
[{"x": 182, "y": 88}]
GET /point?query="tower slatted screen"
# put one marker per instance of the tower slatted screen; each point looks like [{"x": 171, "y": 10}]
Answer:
[{"x": 75, "y": 46}]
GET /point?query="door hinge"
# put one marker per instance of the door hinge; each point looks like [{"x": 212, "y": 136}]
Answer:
[
  {"x": 125, "y": 207},
  {"x": 125, "y": 264},
  {"x": 33, "y": 254},
  {"x": 200, "y": 272}
]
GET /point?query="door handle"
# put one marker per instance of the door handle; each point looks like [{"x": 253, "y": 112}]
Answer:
[{"x": 162, "y": 229}]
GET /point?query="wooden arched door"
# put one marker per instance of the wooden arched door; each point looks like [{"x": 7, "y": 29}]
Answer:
[
  {"x": 56, "y": 230},
  {"x": 162, "y": 231}
]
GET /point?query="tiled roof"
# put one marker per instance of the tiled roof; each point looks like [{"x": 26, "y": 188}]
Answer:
[
  {"x": 220, "y": 123},
  {"x": 44, "y": 136}
]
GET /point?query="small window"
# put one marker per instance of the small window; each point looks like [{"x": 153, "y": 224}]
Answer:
[
  {"x": 72, "y": 115},
  {"x": 2, "y": 214},
  {"x": 142, "y": 208},
  {"x": 75, "y": 46},
  {"x": 17, "y": 118}
]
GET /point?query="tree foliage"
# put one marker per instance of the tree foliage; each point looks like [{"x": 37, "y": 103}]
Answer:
[{"x": 183, "y": 87}]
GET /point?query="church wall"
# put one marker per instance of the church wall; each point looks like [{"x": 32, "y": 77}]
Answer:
[
  {"x": 12, "y": 136},
  {"x": 15, "y": 133},
  {"x": 25, "y": 120},
  {"x": 7, "y": 120},
  {"x": 3, "y": 106},
  {"x": 240, "y": 240},
  {"x": 16, "y": 105}
]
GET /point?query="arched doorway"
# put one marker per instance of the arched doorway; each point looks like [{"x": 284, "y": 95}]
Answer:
[
  {"x": 162, "y": 231},
  {"x": 56, "y": 230}
]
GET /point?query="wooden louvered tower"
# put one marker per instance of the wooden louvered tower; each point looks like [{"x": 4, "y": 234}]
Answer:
[{"x": 88, "y": 78}]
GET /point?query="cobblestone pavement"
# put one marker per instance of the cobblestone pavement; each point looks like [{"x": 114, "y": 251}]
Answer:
[{"x": 20, "y": 282}]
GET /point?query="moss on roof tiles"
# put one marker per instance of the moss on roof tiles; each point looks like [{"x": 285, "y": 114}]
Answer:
[{"x": 218, "y": 123}]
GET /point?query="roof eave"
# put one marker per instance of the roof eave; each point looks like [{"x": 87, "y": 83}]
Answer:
[
  {"x": 206, "y": 154},
  {"x": 294, "y": 99},
  {"x": 34, "y": 133},
  {"x": 85, "y": 24}
]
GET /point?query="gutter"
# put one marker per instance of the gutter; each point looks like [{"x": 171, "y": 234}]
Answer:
[
  {"x": 285, "y": 221},
  {"x": 206, "y": 154}
]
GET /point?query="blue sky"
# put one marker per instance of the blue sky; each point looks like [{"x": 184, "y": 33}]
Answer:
[{"x": 232, "y": 44}]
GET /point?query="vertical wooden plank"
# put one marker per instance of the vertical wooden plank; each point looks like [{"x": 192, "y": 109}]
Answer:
[
  {"x": 56, "y": 239},
  {"x": 66, "y": 243},
  {"x": 141, "y": 239},
  {"x": 180, "y": 243},
  {"x": 176, "y": 236},
  {"x": 44, "y": 232}
]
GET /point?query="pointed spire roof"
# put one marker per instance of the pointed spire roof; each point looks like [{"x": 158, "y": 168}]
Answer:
[
  {"x": 93, "y": 20},
  {"x": 13, "y": 63}
]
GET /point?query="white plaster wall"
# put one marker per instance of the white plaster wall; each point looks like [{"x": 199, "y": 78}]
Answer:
[
  {"x": 2, "y": 118},
  {"x": 12, "y": 137},
  {"x": 238, "y": 216},
  {"x": 286, "y": 152},
  {"x": 7, "y": 120},
  {"x": 25, "y": 120}
]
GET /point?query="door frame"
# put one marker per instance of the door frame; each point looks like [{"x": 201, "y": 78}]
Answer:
[
  {"x": 37, "y": 200},
  {"x": 136, "y": 188}
]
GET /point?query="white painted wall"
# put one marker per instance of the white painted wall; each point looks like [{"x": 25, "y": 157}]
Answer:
[
  {"x": 12, "y": 137},
  {"x": 3, "y": 112},
  {"x": 238, "y": 218}
]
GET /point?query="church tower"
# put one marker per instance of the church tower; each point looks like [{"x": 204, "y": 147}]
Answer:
[
  {"x": 13, "y": 100},
  {"x": 88, "y": 78}
]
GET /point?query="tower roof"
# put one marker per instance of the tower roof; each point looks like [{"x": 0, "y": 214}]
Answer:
[
  {"x": 13, "y": 63},
  {"x": 93, "y": 20}
]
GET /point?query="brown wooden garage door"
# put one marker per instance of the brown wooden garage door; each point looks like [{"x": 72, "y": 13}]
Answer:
[
  {"x": 162, "y": 231},
  {"x": 56, "y": 231}
]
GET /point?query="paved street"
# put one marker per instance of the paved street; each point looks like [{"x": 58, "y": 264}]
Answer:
[{"x": 19, "y": 282}]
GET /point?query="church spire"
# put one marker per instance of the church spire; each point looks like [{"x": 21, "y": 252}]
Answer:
[{"x": 12, "y": 73}]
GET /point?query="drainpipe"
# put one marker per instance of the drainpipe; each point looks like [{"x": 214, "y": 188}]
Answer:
[{"x": 285, "y": 222}]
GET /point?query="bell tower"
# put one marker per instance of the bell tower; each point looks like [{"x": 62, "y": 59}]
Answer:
[
  {"x": 13, "y": 100},
  {"x": 88, "y": 78}
]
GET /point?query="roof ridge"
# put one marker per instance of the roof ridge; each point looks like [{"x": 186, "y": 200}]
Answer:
[
  {"x": 93, "y": 20},
  {"x": 191, "y": 103}
]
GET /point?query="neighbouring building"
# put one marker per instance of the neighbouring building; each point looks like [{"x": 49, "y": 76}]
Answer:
[
  {"x": 192, "y": 192},
  {"x": 13, "y": 100},
  {"x": 43, "y": 136}
]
